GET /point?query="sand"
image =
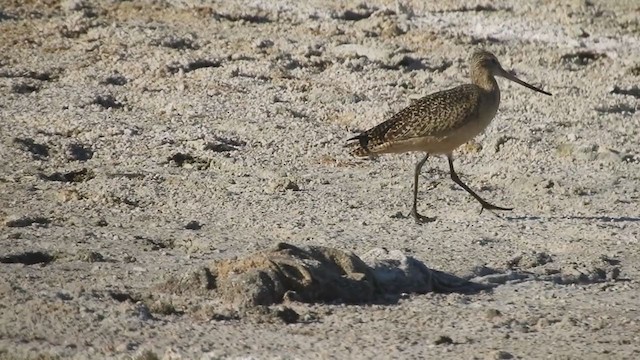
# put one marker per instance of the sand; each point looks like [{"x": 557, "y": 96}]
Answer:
[{"x": 143, "y": 141}]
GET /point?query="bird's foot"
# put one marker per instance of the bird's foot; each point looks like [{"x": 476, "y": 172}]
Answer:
[
  {"x": 491, "y": 207},
  {"x": 421, "y": 219}
]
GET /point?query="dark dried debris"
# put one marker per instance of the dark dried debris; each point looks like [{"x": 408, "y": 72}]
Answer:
[
  {"x": 443, "y": 340},
  {"x": 115, "y": 79},
  {"x": 38, "y": 151},
  {"x": 27, "y": 221},
  {"x": 477, "y": 8},
  {"x": 28, "y": 258},
  {"x": 81, "y": 175},
  {"x": 127, "y": 175},
  {"x": 30, "y": 74},
  {"x": 252, "y": 18},
  {"x": 176, "y": 67},
  {"x": 6, "y": 16},
  {"x": 182, "y": 159},
  {"x": 353, "y": 15},
  {"x": 632, "y": 91},
  {"x": 155, "y": 245},
  {"x": 582, "y": 58},
  {"x": 121, "y": 296},
  {"x": 193, "y": 225},
  {"x": 474, "y": 40},
  {"x": 79, "y": 152},
  {"x": 107, "y": 101},
  {"x": 617, "y": 109},
  {"x": 219, "y": 147},
  {"x": 90, "y": 256},
  {"x": 221, "y": 144},
  {"x": 177, "y": 42},
  {"x": 22, "y": 87}
]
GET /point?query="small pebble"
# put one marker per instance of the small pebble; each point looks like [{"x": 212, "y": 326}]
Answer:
[{"x": 193, "y": 225}]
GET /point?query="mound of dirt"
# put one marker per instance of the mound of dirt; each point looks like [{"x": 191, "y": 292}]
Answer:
[{"x": 315, "y": 274}]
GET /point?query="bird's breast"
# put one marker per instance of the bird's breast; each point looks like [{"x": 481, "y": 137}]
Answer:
[{"x": 487, "y": 108}]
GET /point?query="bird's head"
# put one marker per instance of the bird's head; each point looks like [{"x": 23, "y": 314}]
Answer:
[{"x": 483, "y": 63}]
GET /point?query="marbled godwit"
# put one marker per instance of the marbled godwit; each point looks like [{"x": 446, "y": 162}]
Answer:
[{"x": 440, "y": 122}]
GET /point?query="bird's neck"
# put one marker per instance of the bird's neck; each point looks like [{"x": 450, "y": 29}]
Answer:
[
  {"x": 491, "y": 92},
  {"x": 485, "y": 81}
]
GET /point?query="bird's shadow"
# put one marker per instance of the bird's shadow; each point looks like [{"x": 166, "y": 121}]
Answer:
[
  {"x": 600, "y": 218},
  {"x": 604, "y": 218}
]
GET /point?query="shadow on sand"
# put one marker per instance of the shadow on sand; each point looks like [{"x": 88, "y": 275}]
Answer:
[{"x": 602, "y": 218}]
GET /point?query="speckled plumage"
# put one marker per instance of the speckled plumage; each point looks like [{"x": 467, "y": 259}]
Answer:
[
  {"x": 434, "y": 115},
  {"x": 440, "y": 122}
]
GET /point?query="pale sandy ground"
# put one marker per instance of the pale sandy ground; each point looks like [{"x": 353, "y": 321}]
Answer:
[{"x": 114, "y": 87}]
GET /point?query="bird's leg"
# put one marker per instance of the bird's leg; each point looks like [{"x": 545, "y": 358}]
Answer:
[
  {"x": 414, "y": 209},
  {"x": 456, "y": 179}
]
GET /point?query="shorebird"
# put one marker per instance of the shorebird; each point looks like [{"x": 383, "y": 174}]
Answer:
[{"x": 440, "y": 122}]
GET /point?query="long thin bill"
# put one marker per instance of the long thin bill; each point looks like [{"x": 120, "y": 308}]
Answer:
[{"x": 516, "y": 80}]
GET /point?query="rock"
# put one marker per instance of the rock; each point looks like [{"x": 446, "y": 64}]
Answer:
[{"x": 193, "y": 225}]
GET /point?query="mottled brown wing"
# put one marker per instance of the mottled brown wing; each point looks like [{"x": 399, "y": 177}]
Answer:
[{"x": 432, "y": 115}]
